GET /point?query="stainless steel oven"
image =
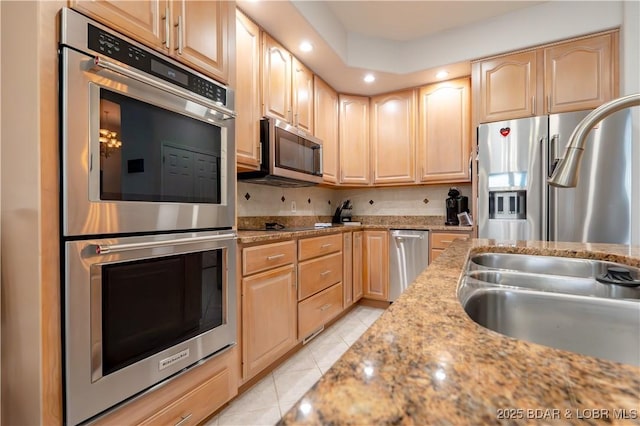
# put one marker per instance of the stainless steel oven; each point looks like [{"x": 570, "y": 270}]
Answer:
[
  {"x": 147, "y": 144},
  {"x": 147, "y": 213},
  {"x": 140, "y": 309}
]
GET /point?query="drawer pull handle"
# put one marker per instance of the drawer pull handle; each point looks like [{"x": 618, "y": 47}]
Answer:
[
  {"x": 446, "y": 241},
  {"x": 183, "y": 419},
  {"x": 325, "y": 306},
  {"x": 275, "y": 256},
  {"x": 326, "y": 245},
  {"x": 328, "y": 271}
]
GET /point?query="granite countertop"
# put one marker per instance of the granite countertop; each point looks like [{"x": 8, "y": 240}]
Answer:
[
  {"x": 254, "y": 236},
  {"x": 426, "y": 362}
]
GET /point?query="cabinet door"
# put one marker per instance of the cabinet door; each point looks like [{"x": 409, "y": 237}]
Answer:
[
  {"x": 201, "y": 35},
  {"x": 376, "y": 265},
  {"x": 444, "y": 137},
  {"x": 393, "y": 136},
  {"x": 145, "y": 21},
  {"x": 357, "y": 266},
  {"x": 325, "y": 125},
  {"x": 347, "y": 269},
  {"x": 354, "y": 140},
  {"x": 302, "y": 84},
  {"x": 276, "y": 83},
  {"x": 247, "y": 93},
  {"x": 508, "y": 87},
  {"x": 267, "y": 332},
  {"x": 580, "y": 74}
]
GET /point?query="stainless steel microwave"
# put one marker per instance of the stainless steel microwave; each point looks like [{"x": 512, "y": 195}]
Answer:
[{"x": 289, "y": 156}]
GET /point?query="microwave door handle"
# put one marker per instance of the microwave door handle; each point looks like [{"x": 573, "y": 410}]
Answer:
[
  {"x": 98, "y": 64},
  {"x": 115, "y": 248}
]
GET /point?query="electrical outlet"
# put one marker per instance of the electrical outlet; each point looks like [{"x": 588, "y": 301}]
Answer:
[{"x": 293, "y": 207}]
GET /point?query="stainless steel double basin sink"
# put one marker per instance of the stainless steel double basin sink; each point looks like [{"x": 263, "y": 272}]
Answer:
[{"x": 565, "y": 303}]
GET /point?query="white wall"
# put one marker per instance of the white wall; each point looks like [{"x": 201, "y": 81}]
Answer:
[{"x": 20, "y": 224}]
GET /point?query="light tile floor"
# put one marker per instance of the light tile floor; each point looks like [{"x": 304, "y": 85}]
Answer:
[{"x": 274, "y": 395}]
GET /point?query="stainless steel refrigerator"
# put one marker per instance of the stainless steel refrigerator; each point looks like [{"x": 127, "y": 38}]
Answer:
[{"x": 516, "y": 157}]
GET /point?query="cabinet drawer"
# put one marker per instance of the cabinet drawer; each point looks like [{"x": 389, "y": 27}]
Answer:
[
  {"x": 317, "y": 274},
  {"x": 261, "y": 258},
  {"x": 197, "y": 404},
  {"x": 441, "y": 240},
  {"x": 319, "y": 309},
  {"x": 318, "y": 246}
]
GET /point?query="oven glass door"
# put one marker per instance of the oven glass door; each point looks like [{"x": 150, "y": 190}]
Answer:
[
  {"x": 151, "y": 154},
  {"x": 153, "y": 304}
]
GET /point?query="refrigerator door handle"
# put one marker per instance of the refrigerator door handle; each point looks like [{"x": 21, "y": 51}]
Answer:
[
  {"x": 544, "y": 211},
  {"x": 553, "y": 160}
]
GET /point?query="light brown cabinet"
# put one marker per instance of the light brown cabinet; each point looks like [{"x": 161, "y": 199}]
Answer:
[
  {"x": 444, "y": 135},
  {"x": 357, "y": 266},
  {"x": 441, "y": 240},
  {"x": 392, "y": 138},
  {"x": 188, "y": 399},
  {"x": 567, "y": 76},
  {"x": 376, "y": 265},
  {"x": 320, "y": 296},
  {"x": 347, "y": 269},
  {"x": 325, "y": 125},
  {"x": 581, "y": 74},
  {"x": 268, "y": 333},
  {"x": 509, "y": 87},
  {"x": 354, "y": 140},
  {"x": 247, "y": 93},
  {"x": 195, "y": 33},
  {"x": 287, "y": 86}
]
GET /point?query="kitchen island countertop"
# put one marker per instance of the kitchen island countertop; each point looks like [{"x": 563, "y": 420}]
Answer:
[{"x": 426, "y": 362}]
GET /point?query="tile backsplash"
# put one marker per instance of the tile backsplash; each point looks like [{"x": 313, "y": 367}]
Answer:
[{"x": 266, "y": 200}]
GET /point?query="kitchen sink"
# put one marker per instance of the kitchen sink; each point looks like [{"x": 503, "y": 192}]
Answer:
[{"x": 556, "y": 301}]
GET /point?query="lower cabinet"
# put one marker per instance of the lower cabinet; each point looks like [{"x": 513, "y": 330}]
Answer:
[
  {"x": 268, "y": 318},
  {"x": 319, "y": 309},
  {"x": 188, "y": 399},
  {"x": 357, "y": 266},
  {"x": 441, "y": 240},
  {"x": 347, "y": 269},
  {"x": 376, "y": 265}
]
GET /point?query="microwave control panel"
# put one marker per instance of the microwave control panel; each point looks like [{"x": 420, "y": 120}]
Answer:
[{"x": 121, "y": 50}]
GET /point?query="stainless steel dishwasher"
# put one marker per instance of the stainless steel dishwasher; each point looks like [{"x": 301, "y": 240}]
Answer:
[{"x": 409, "y": 256}]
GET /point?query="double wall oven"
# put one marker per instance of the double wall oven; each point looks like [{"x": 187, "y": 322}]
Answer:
[{"x": 147, "y": 206}]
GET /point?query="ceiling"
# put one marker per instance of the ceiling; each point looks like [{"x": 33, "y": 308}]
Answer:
[{"x": 403, "y": 43}]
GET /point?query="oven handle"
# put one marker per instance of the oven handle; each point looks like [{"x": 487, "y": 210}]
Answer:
[
  {"x": 115, "y": 248},
  {"x": 99, "y": 63}
]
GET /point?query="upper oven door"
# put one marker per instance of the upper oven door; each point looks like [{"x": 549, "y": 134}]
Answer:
[{"x": 140, "y": 155}]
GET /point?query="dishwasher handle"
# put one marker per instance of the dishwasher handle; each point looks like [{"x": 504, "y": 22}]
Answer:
[{"x": 409, "y": 236}]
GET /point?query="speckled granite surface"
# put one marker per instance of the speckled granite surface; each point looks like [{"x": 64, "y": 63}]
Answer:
[
  {"x": 245, "y": 236},
  {"x": 425, "y": 362}
]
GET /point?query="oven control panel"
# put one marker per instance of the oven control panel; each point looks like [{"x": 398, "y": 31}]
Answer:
[{"x": 121, "y": 50}]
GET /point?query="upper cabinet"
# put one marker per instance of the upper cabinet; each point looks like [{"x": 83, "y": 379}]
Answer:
[
  {"x": 276, "y": 82},
  {"x": 195, "y": 33},
  {"x": 354, "y": 140},
  {"x": 444, "y": 135},
  {"x": 393, "y": 137},
  {"x": 508, "y": 87},
  {"x": 581, "y": 74},
  {"x": 287, "y": 87},
  {"x": 568, "y": 76},
  {"x": 326, "y": 127},
  {"x": 248, "y": 104}
]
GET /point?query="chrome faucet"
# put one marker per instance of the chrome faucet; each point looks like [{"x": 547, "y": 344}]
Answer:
[{"x": 565, "y": 174}]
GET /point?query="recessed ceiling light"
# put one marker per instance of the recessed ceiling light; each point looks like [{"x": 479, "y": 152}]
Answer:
[
  {"x": 369, "y": 78},
  {"x": 305, "y": 46},
  {"x": 442, "y": 74}
]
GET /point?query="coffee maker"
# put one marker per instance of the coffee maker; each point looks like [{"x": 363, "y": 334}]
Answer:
[
  {"x": 456, "y": 204},
  {"x": 343, "y": 212}
]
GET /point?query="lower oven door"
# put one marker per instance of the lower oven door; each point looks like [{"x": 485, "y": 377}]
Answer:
[{"x": 140, "y": 309}]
